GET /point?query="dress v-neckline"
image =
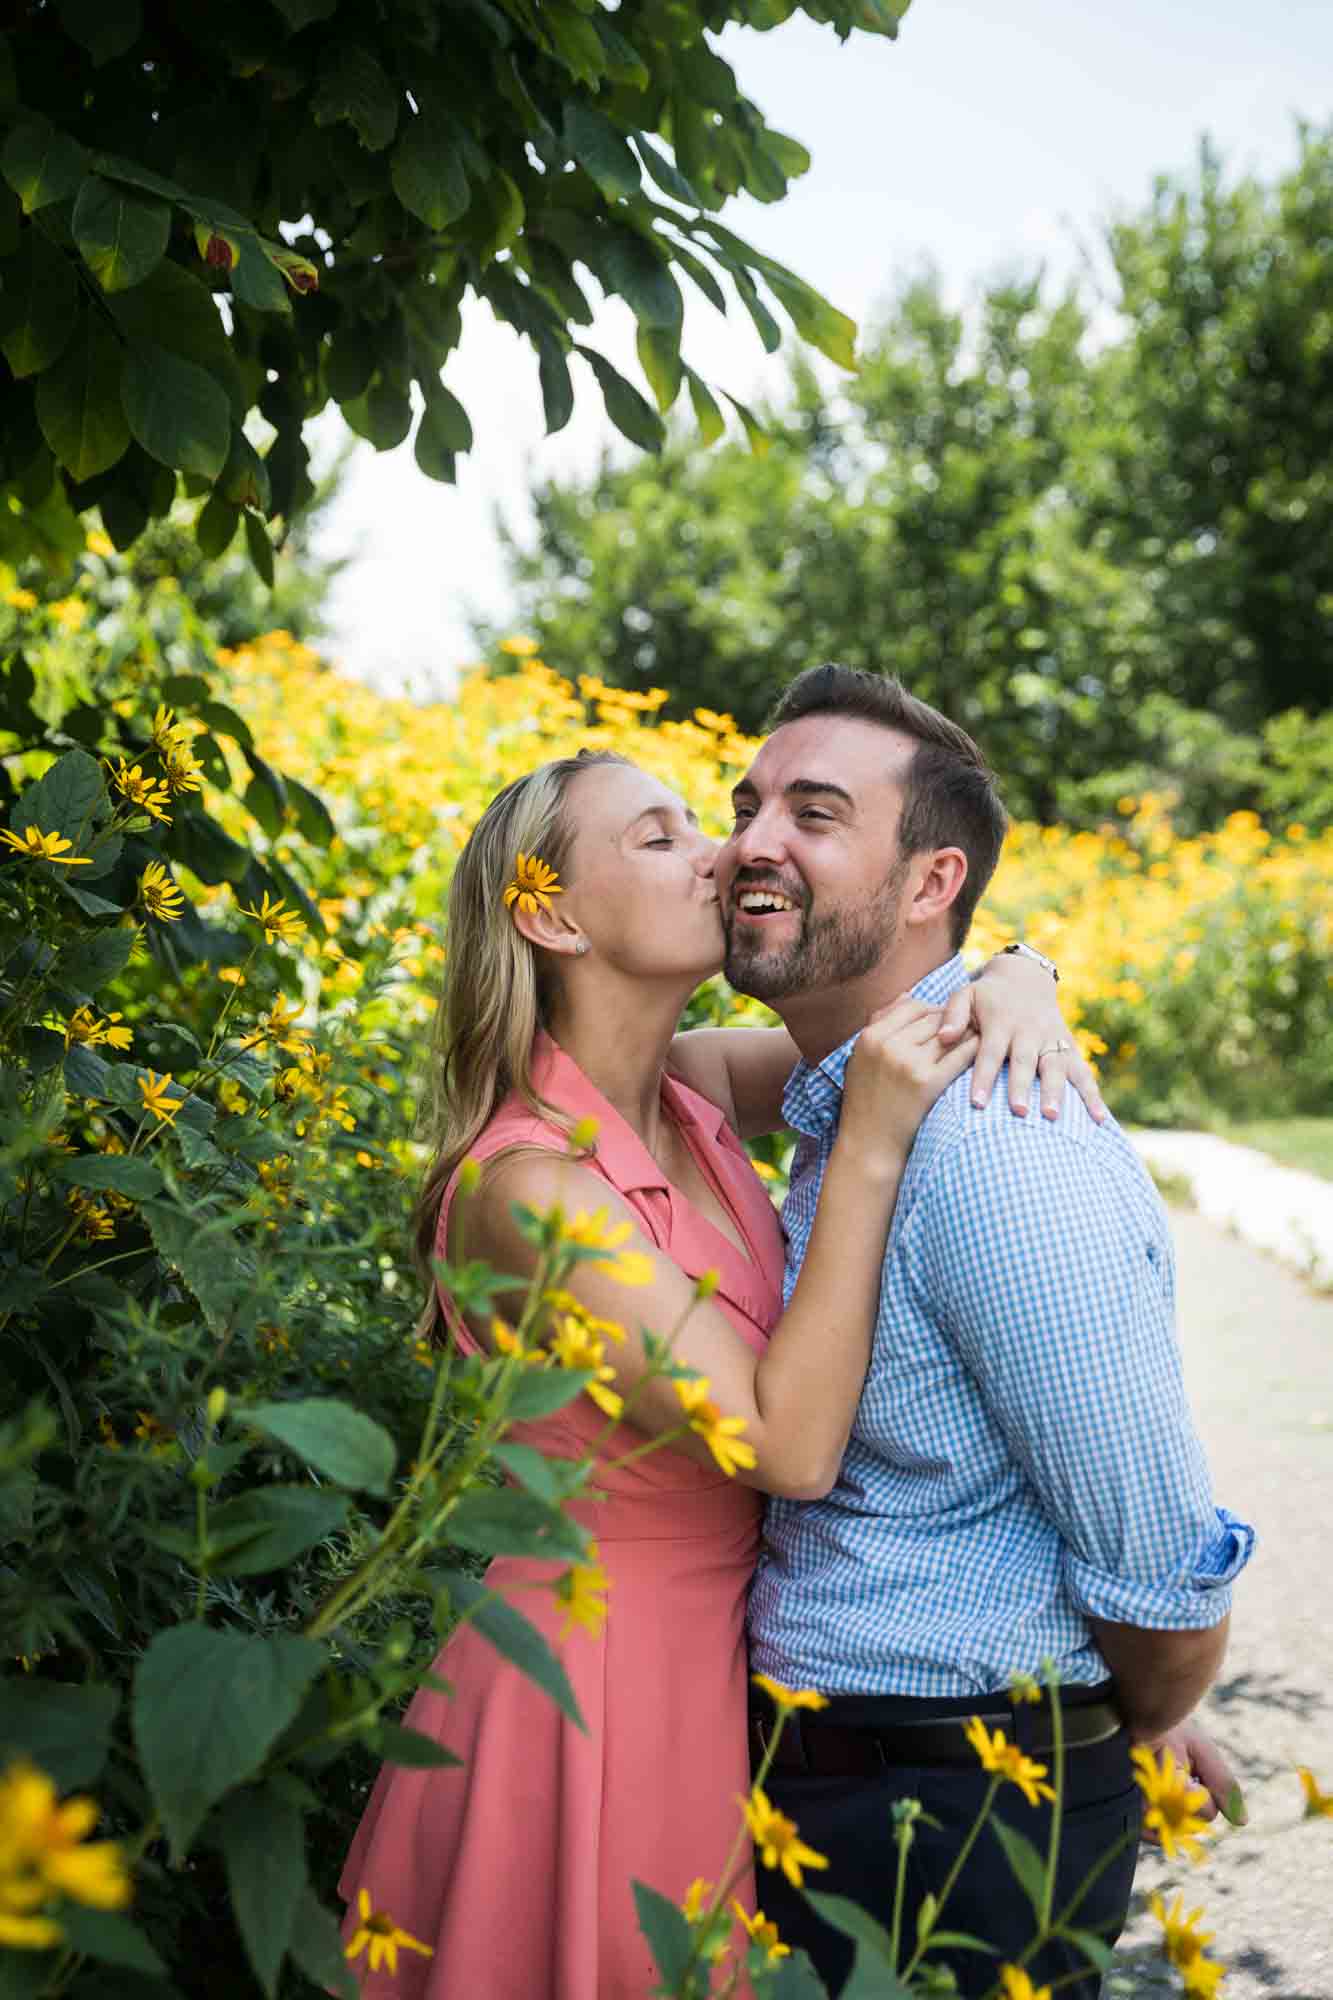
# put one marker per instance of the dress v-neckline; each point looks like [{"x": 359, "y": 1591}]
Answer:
[{"x": 744, "y": 1250}]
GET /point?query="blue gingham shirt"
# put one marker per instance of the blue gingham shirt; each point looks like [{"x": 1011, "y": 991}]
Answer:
[{"x": 1022, "y": 1458}]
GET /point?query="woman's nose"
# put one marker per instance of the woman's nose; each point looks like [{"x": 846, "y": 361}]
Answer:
[{"x": 706, "y": 859}]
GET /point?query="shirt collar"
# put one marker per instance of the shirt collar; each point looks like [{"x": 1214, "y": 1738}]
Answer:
[{"x": 812, "y": 1100}]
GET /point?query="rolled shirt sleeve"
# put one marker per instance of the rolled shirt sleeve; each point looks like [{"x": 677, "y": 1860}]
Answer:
[{"x": 1049, "y": 1259}]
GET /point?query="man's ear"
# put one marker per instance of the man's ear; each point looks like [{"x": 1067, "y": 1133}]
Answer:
[
  {"x": 940, "y": 879},
  {"x": 550, "y": 929}
]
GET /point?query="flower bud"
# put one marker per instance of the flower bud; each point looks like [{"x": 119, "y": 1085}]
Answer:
[
  {"x": 706, "y": 1284},
  {"x": 469, "y": 1177},
  {"x": 583, "y": 1137},
  {"x": 217, "y": 1406}
]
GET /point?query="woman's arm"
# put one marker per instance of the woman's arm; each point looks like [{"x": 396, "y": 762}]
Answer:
[
  {"x": 1011, "y": 1005},
  {"x": 798, "y": 1399}
]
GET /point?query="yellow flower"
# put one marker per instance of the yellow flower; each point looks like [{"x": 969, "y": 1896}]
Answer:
[
  {"x": 377, "y": 1929},
  {"x": 583, "y": 1135},
  {"x": 1318, "y": 1805},
  {"x": 789, "y": 1698},
  {"x": 278, "y": 921},
  {"x": 519, "y": 647},
  {"x": 506, "y": 1341},
  {"x": 998, "y": 1754},
  {"x": 29, "y": 1933},
  {"x": 533, "y": 885},
  {"x": 99, "y": 544},
  {"x": 149, "y": 794},
  {"x": 95, "y": 1221},
  {"x": 36, "y": 846},
  {"x": 1024, "y": 1687},
  {"x": 44, "y": 1847},
  {"x": 721, "y": 1434},
  {"x": 776, "y": 1840},
  {"x": 763, "y": 1931},
  {"x": 159, "y": 894},
  {"x": 564, "y": 1302},
  {"x": 184, "y": 772},
  {"x": 21, "y": 600},
  {"x": 1173, "y": 1802},
  {"x": 157, "y": 1097},
  {"x": 1202, "y": 1977},
  {"x": 275, "y": 1178},
  {"x": 1181, "y": 1942},
  {"x": 576, "y": 1348},
  {"x": 231, "y": 1098},
  {"x": 68, "y": 612},
  {"x": 1018, "y": 1986},
  {"x": 279, "y": 1027},
  {"x": 84, "y": 1026},
  {"x": 582, "y": 1590},
  {"x": 696, "y": 1899}
]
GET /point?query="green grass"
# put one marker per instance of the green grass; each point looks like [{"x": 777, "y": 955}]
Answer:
[{"x": 1296, "y": 1142}]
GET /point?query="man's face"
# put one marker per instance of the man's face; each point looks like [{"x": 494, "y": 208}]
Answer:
[{"x": 811, "y": 880}]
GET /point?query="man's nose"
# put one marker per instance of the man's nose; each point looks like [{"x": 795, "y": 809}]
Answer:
[{"x": 755, "y": 841}]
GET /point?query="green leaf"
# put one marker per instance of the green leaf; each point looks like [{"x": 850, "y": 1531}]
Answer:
[
  {"x": 638, "y": 270},
  {"x": 513, "y": 1636},
  {"x": 635, "y": 418},
  {"x": 667, "y": 1930},
  {"x": 42, "y": 165},
  {"x": 216, "y": 1267},
  {"x": 64, "y": 1728},
  {"x": 78, "y": 401},
  {"x": 351, "y": 361},
  {"x": 262, "y": 1838},
  {"x": 316, "y": 1942},
  {"x": 38, "y": 305},
  {"x": 814, "y": 318},
  {"x": 557, "y": 389},
  {"x": 89, "y": 964},
  {"x": 602, "y": 151},
  {"x": 221, "y": 718},
  {"x": 266, "y": 795},
  {"x": 353, "y": 88},
  {"x": 260, "y": 547},
  {"x": 706, "y": 412},
  {"x": 106, "y": 1935},
  {"x": 552, "y": 1479},
  {"x": 1099, "y": 1954},
  {"x": 428, "y": 174},
  {"x": 256, "y": 281},
  {"x": 207, "y": 1708},
  {"x": 448, "y": 419},
  {"x": 178, "y": 412},
  {"x": 106, "y": 28},
  {"x": 244, "y": 478},
  {"x": 299, "y": 14},
  {"x": 174, "y": 310},
  {"x": 1024, "y": 1861},
  {"x": 795, "y": 1978},
  {"x": 337, "y": 1440},
  {"x": 502, "y": 1522},
  {"x": 659, "y": 358},
  {"x": 284, "y": 1521},
  {"x": 312, "y": 815},
  {"x": 215, "y": 529},
  {"x": 539, "y": 1392},
  {"x": 383, "y": 416},
  {"x": 85, "y": 1073},
  {"x": 757, "y": 437},
  {"x": 409, "y": 1747},
  {"x": 64, "y": 799},
  {"x": 122, "y": 237},
  {"x": 134, "y": 1177},
  {"x": 854, "y": 1922},
  {"x": 668, "y": 177}
]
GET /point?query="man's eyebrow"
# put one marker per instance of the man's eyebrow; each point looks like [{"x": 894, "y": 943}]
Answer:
[{"x": 802, "y": 788}]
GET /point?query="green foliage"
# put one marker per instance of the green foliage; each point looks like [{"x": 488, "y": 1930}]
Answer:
[
  {"x": 1110, "y": 560},
  {"x": 340, "y": 182}
]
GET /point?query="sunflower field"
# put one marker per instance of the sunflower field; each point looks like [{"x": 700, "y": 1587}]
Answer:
[{"x": 240, "y": 1501}]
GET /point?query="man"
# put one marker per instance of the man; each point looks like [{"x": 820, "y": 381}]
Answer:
[{"x": 1022, "y": 1483}]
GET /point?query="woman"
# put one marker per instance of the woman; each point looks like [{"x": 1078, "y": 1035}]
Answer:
[{"x": 561, "y": 1003}]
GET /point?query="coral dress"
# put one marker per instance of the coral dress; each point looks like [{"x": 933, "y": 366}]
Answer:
[{"x": 517, "y": 1868}]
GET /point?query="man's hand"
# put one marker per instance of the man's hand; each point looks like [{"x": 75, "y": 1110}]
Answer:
[
  {"x": 1012, "y": 1007},
  {"x": 1195, "y": 1751}
]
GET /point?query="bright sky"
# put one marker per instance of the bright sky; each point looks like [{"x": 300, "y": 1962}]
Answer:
[{"x": 985, "y": 138}]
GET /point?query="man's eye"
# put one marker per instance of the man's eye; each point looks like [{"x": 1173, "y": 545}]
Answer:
[{"x": 740, "y": 814}]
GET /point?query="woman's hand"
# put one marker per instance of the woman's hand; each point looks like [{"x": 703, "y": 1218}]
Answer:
[
  {"x": 898, "y": 1068},
  {"x": 1013, "y": 1010}
]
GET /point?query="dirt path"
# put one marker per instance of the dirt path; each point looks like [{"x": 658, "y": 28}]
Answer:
[{"x": 1259, "y": 1366}]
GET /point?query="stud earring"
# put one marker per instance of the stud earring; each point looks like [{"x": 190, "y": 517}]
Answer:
[{"x": 581, "y": 947}]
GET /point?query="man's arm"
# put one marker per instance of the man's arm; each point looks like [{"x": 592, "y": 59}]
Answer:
[{"x": 1048, "y": 1257}]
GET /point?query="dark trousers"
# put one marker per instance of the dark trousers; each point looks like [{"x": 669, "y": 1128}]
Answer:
[{"x": 850, "y": 1819}]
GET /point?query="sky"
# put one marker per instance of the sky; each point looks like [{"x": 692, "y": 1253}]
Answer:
[{"x": 986, "y": 139}]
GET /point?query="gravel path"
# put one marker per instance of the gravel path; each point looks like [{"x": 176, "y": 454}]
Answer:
[{"x": 1258, "y": 1346}]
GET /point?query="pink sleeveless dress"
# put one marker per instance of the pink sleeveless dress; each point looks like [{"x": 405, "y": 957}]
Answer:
[{"x": 517, "y": 1868}]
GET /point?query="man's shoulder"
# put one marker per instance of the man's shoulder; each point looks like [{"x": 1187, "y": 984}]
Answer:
[{"x": 988, "y": 1151}]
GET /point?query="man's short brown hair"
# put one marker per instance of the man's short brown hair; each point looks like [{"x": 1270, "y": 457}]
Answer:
[{"x": 949, "y": 795}]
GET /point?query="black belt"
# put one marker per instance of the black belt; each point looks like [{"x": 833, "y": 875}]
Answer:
[{"x": 829, "y": 1749}]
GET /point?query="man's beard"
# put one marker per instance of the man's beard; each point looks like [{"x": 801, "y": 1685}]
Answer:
[{"x": 828, "y": 951}]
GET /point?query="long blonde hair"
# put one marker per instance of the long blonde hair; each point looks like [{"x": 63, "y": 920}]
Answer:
[{"x": 496, "y": 989}]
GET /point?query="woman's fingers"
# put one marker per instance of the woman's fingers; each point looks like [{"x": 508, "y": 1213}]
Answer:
[
  {"x": 956, "y": 1020},
  {"x": 1078, "y": 1071}
]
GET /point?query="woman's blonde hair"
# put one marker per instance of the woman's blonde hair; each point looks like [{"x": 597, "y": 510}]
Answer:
[{"x": 496, "y": 987}]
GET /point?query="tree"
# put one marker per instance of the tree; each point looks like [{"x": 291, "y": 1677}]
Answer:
[{"x": 218, "y": 208}]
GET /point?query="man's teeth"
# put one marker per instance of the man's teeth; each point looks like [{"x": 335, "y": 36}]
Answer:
[{"x": 755, "y": 902}]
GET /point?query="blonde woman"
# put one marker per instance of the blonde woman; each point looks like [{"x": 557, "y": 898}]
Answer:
[{"x": 564, "y": 985}]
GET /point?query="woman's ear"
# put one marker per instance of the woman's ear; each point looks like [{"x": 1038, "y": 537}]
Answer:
[{"x": 550, "y": 930}]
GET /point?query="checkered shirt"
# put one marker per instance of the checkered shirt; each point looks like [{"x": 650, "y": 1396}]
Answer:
[{"x": 1022, "y": 1458}]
